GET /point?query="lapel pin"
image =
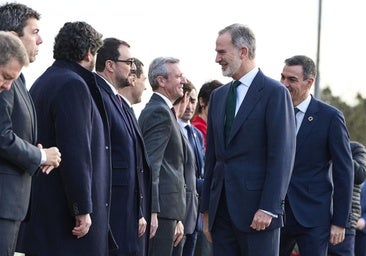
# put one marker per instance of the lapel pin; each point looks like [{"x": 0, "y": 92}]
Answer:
[{"x": 310, "y": 118}]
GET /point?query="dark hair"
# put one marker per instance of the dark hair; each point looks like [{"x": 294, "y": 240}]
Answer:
[
  {"x": 108, "y": 51},
  {"x": 187, "y": 88},
  {"x": 14, "y": 17},
  {"x": 74, "y": 40},
  {"x": 205, "y": 93},
  {"x": 308, "y": 65},
  {"x": 139, "y": 67}
]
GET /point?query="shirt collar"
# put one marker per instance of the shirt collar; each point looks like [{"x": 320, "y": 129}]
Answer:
[
  {"x": 167, "y": 101},
  {"x": 109, "y": 84},
  {"x": 248, "y": 78},
  {"x": 303, "y": 106}
]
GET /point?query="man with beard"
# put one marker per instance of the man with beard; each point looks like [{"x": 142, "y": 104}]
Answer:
[
  {"x": 131, "y": 176},
  {"x": 250, "y": 152}
]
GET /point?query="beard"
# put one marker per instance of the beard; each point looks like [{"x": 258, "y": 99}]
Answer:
[{"x": 123, "y": 82}]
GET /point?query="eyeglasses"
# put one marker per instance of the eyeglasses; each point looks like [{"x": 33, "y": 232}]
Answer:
[{"x": 129, "y": 62}]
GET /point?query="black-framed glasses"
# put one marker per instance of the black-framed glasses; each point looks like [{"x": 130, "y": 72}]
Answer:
[{"x": 129, "y": 62}]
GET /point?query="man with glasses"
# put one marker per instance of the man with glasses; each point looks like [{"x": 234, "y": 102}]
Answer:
[{"x": 131, "y": 176}]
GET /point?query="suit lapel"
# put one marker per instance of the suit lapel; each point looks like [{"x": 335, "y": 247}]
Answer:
[
  {"x": 21, "y": 90},
  {"x": 251, "y": 98},
  {"x": 308, "y": 123},
  {"x": 115, "y": 102}
]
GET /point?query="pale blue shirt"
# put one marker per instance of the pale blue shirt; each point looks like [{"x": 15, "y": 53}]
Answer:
[
  {"x": 303, "y": 106},
  {"x": 243, "y": 88}
]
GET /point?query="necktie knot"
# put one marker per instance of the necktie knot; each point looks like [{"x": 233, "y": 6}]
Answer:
[
  {"x": 296, "y": 110},
  {"x": 236, "y": 83}
]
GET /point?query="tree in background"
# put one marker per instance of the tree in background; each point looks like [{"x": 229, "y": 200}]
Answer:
[{"x": 355, "y": 115}]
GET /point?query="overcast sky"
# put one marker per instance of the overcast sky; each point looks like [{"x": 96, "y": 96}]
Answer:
[{"x": 187, "y": 29}]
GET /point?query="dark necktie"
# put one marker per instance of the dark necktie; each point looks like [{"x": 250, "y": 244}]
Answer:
[
  {"x": 192, "y": 141},
  {"x": 296, "y": 110},
  {"x": 230, "y": 108},
  {"x": 173, "y": 110},
  {"x": 119, "y": 99}
]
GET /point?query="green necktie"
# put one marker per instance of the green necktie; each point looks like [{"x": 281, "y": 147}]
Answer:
[{"x": 230, "y": 108}]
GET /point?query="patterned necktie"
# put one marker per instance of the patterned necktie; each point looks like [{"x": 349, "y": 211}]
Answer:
[{"x": 230, "y": 108}]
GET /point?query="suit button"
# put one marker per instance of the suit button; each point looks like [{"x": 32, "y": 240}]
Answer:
[
  {"x": 106, "y": 204},
  {"x": 106, "y": 147}
]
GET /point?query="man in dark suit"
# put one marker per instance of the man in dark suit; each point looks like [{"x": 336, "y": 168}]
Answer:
[
  {"x": 248, "y": 160},
  {"x": 131, "y": 174},
  {"x": 70, "y": 208},
  {"x": 195, "y": 142},
  {"x": 318, "y": 201},
  {"x": 163, "y": 141},
  {"x": 20, "y": 158}
]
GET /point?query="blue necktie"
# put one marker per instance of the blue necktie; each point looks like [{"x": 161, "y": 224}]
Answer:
[
  {"x": 230, "y": 108},
  {"x": 192, "y": 141}
]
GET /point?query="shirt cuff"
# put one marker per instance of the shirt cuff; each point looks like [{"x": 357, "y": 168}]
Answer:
[
  {"x": 43, "y": 157},
  {"x": 269, "y": 213}
]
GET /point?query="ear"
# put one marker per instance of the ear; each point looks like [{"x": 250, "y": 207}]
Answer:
[
  {"x": 161, "y": 81},
  {"x": 108, "y": 65},
  {"x": 244, "y": 52},
  {"x": 88, "y": 56},
  {"x": 310, "y": 82}
]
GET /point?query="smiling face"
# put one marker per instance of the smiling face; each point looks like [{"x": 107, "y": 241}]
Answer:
[
  {"x": 172, "y": 87},
  {"x": 293, "y": 78},
  {"x": 31, "y": 38},
  {"x": 228, "y": 56}
]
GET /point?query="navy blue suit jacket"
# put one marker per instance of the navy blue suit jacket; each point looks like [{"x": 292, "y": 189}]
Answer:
[
  {"x": 321, "y": 140},
  {"x": 255, "y": 167},
  {"x": 72, "y": 117},
  {"x": 128, "y": 166}
]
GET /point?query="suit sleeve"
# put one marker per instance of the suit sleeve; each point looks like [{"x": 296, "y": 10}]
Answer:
[
  {"x": 342, "y": 169},
  {"x": 281, "y": 141},
  {"x": 13, "y": 148},
  {"x": 73, "y": 124},
  {"x": 156, "y": 129}
]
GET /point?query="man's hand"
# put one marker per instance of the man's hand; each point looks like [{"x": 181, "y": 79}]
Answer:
[
  {"x": 53, "y": 159},
  {"x": 142, "y": 226},
  {"x": 153, "y": 224},
  {"x": 337, "y": 234},
  {"x": 82, "y": 225},
  {"x": 205, "y": 228},
  {"x": 360, "y": 224},
  {"x": 178, "y": 233},
  {"x": 261, "y": 220}
]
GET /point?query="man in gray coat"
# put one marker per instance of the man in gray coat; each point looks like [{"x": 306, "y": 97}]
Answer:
[{"x": 164, "y": 146}]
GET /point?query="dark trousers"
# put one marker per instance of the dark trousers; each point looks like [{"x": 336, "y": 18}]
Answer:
[
  {"x": 190, "y": 244},
  {"x": 228, "y": 240},
  {"x": 9, "y": 230},
  {"x": 203, "y": 246},
  {"x": 162, "y": 243},
  {"x": 360, "y": 243},
  {"x": 347, "y": 247},
  {"x": 311, "y": 241}
]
